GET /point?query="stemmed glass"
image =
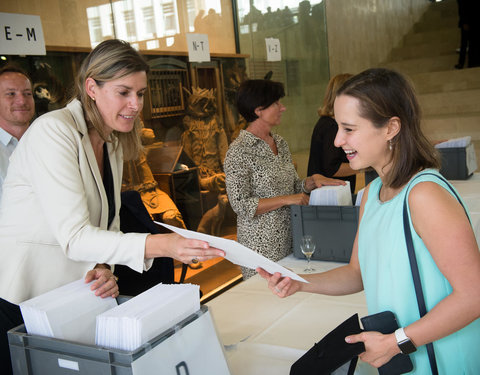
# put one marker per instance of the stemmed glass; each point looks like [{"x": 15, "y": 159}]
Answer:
[{"x": 307, "y": 245}]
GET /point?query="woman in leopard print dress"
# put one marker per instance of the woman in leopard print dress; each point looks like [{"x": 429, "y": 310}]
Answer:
[{"x": 261, "y": 179}]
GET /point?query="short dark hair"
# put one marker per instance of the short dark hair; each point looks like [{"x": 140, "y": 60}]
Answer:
[
  {"x": 384, "y": 94},
  {"x": 11, "y": 68},
  {"x": 254, "y": 93}
]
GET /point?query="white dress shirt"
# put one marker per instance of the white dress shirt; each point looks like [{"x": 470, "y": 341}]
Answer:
[{"x": 7, "y": 144}]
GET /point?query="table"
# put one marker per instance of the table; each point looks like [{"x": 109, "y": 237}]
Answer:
[{"x": 265, "y": 334}]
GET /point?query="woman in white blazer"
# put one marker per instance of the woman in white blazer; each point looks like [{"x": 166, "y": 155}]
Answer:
[{"x": 59, "y": 215}]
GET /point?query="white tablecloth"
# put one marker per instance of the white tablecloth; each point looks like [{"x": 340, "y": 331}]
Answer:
[{"x": 265, "y": 334}]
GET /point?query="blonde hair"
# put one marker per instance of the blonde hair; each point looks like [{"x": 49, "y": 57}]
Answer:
[
  {"x": 110, "y": 60},
  {"x": 331, "y": 92}
]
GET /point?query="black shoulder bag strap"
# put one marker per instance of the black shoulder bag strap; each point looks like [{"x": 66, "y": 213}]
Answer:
[{"x": 414, "y": 265}]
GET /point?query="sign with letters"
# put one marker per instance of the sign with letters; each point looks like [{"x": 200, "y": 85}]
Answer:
[
  {"x": 192, "y": 350},
  {"x": 198, "y": 48},
  {"x": 274, "y": 52},
  {"x": 21, "y": 34}
]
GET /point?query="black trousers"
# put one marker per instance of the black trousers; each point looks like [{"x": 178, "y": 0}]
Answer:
[{"x": 10, "y": 317}]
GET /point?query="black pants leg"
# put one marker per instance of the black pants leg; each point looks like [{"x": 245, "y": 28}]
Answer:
[
  {"x": 10, "y": 317},
  {"x": 463, "y": 47}
]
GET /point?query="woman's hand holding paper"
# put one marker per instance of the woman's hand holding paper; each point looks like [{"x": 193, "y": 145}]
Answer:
[
  {"x": 281, "y": 286},
  {"x": 185, "y": 250}
]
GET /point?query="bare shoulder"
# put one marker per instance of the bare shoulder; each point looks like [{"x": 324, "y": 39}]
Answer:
[
  {"x": 433, "y": 207},
  {"x": 430, "y": 194}
]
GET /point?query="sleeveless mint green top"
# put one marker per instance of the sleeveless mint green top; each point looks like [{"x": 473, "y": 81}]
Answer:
[{"x": 388, "y": 283}]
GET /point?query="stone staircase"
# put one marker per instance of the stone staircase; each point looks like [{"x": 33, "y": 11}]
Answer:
[{"x": 450, "y": 98}]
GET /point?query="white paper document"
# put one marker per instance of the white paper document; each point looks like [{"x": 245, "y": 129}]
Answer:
[
  {"x": 237, "y": 253},
  {"x": 141, "y": 318},
  {"x": 67, "y": 312},
  {"x": 339, "y": 195},
  {"x": 455, "y": 142}
]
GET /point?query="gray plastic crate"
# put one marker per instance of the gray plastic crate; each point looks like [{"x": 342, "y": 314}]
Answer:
[
  {"x": 454, "y": 163},
  {"x": 370, "y": 175},
  {"x": 332, "y": 227},
  {"x": 38, "y": 355}
]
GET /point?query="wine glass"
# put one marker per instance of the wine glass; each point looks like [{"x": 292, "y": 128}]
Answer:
[{"x": 307, "y": 245}]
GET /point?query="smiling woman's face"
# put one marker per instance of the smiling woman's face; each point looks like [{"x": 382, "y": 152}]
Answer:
[
  {"x": 363, "y": 143},
  {"x": 119, "y": 101}
]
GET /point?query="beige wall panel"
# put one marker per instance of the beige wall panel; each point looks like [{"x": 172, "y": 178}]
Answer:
[{"x": 361, "y": 33}]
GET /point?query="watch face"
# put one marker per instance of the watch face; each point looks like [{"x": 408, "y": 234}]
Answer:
[{"x": 407, "y": 347}]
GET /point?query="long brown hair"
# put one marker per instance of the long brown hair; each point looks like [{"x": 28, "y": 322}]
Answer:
[
  {"x": 331, "y": 92},
  {"x": 111, "y": 59},
  {"x": 384, "y": 94}
]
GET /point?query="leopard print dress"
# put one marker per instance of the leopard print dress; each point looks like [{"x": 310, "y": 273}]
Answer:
[{"x": 253, "y": 172}]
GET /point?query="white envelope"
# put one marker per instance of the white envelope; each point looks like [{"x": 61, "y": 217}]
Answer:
[{"x": 338, "y": 195}]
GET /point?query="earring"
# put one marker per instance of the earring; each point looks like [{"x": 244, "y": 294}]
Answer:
[
  {"x": 92, "y": 98},
  {"x": 390, "y": 146}
]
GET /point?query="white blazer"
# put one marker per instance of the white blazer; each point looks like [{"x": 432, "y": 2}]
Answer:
[{"x": 54, "y": 210}]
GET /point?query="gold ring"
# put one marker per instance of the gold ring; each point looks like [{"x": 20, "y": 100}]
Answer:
[{"x": 195, "y": 260}]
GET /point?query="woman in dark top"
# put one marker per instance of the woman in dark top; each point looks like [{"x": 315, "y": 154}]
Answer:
[{"x": 325, "y": 158}]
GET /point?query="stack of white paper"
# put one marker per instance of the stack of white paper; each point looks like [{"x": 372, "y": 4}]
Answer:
[
  {"x": 455, "y": 142},
  {"x": 133, "y": 323},
  {"x": 66, "y": 313},
  {"x": 358, "y": 201},
  {"x": 331, "y": 196}
]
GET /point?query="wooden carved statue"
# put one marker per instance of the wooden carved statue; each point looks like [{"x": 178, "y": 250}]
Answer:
[
  {"x": 212, "y": 220},
  {"x": 204, "y": 139},
  {"x": 234, "y": 122}
]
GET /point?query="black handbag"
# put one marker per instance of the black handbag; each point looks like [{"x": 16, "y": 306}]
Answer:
[
  {"x": 331, "y": 352},
  {"x": 386, "y": 323}
]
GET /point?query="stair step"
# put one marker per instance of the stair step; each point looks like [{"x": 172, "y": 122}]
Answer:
[
  {"x": 423, "y": 64},
  {"x": 449, "y": 80},
  {"x": 452, "y": 125},
  {"x": 449, "y": 98},
  {"x": 431, "y": 21},
  {"x": 428, "y": 49},
  {"x": 465, "y": 101},
  {"x": 451, "y": 34}
]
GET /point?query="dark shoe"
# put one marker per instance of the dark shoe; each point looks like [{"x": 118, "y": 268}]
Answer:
[{"x": 458, "y": 66}]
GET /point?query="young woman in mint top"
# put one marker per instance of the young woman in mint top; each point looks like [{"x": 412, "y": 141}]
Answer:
[{"x": 379, "y": 126}]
